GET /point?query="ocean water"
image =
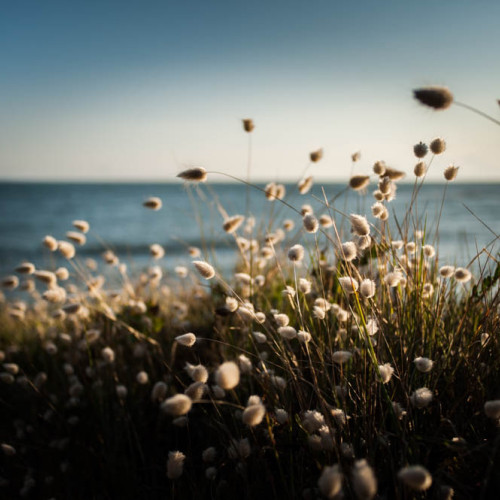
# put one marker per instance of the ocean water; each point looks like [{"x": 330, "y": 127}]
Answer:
[{"x": 193, "y": 217}]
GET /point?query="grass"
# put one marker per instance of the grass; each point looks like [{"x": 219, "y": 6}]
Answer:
[{"x": 325, "y": 339}]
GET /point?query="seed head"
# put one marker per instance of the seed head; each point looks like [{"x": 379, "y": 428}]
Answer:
[
  {"x": 248, "y": 125},
  {"x": 177, "y": 405},
  {"x": 367, "y": 288},
  {"x": 330, "y": 481},
  {"x": 159, "y": 391},
  {"x": 10, "y": 282},
  {"x": 393, "y": 174},
  {"x": 227, "y": 375},
  {"x": 420, "y": 169},
  {"x": 50, "y": 242},
  {"x": 421, "y": 398},
  {"x": 175, "y": 464},
  {"x": 253, "y": 414},
  {"x": 287, "y": 332},
  {"x": 204, "y": 269},
  {"x": 492, "y": 409},
  {"x": 187, "y": 340},
  {"x": 434, "y": 97},
  {"x": 233, "y": 223},
  {"x": 311, "y": 224},
  {"x": 423, "y": 365},
  {"x": 364, "y": 482},
  {"x": 341, "y": 357},
  {"x": 66, "y": 249},
  {"x": 438, "y": 146},
  {"x": 420, "y": 149},
  {"x": 153, "y": 203},
  {"x": 359, "y": 225},
  {"x": 386, "y": 371},
  {"x": 195, "y": 174},
  {"x": 356, "y": 156},
  {"x": 348, "y": 284},
  {"x": 462, "y": 275},
  {"x": 359, "y": 182},
  {"x": 348, "y": 251},
  {"x": 25, "y": 268},
  {"x": 450, "y": 173},
  {"x": 315, "y": 156},
  {"x": 379, "y": 168},
  {"x": 305, "y": 185},
  {"x": 416, "y": 477}
]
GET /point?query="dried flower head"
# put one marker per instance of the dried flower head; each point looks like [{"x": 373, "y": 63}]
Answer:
[
  {"x": 187, "y": 339},
  {"x": 492, "y": 409},
  {"x": 364, "y": 482},
  {"x": 253, "y": 414},
  {"x": 450, "y": 173},
  {"x": 177, "y": 405},
  {"x": 204, "y": 269},
  {"x": 248, "y": 124},
  {"x": 311, "y": 224},
  {"x": 348, "y": 251},
  {"x": 420, "y": 150},
  {"x": 330, "y": 481},
  {"x": 421, "y": 398},
  {"x": 231, "y": 224},
  {"x": 305, "y": 185},
  {"x": 356, "y": 156},
  {"x": 227, "y": 375},
  {"x": 367, "y": 288},
  {"x": 66, "y": 249},
  {"x": 359, "y": 182},
  {"x": 175, "y": 464},
  {"x": 25, "y": 268},
  {"x": 195, "y": 174},
  {"x": 423, "y": 365},
  {"x": 50, "y": 242},
  {"x": 156, "y": 251},
  {"x": 462, "y": 275},
  {"x": 420, "y": 169},
  {"x": 10, "y": 282},
  {"x": 434, "y": 97},
  {"x": 416, "y": 477},
  {"x": 315, "y": 156},
  {"x": 359, "y": 225},
  {"x": 438, "y": 145},
  {"x": 341, "y": 357},
  {"x": 379, "y": 168},
  {"x": 386, "y": 371},
  {"x": 153, "y": 203},
  {"x": 348, "y": 284}
]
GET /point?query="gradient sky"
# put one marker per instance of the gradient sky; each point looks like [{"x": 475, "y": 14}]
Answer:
[{"x": 136, "y": 90}]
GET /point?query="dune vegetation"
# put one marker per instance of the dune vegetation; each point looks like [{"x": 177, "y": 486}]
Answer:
[{"x": 341, "y": 359}]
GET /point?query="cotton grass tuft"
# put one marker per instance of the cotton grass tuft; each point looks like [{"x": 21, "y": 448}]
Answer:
[
  {"x": 195, "y": 174},
  {"x": 415, "y": 477},
  {"x": 204, "y": 269},
  {"x": 227, "y": 375}
]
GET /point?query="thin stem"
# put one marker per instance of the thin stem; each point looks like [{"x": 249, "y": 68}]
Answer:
[{"x": 477, "y": 111}]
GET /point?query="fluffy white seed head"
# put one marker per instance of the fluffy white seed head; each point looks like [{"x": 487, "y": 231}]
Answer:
[
  {"x": 364, "y": 482},
  {"x": 423, "y": 365},
  {"x": 330, "y": 481},
  {"x": 187, "y": 339},
  {"x": 156, "y": 251},
  {"x": 159, "y": 392},
  {"x": 311, "y": 224},
  {"x": 198, "y": 373},
  {"x": 438, "y": 145},
  {"x": 227, "y": 375},
  {"x": 305, "y": 185},
  {"x": 492, "y": 409},
  {"x": 50, "y": 242},
  {"x": 462, "y": 275},
  {"x": 386, "y": 372},
  {"x": 66, "y": 249},
  {"x": 420, "y": 169},
  {"x": 359, "y": 225},
  {"x": 204, "y": 269},
  {"x": 367, "y": 288},
  {"x": 416, "y": 477},
  {"x": 231, "y": 224},
  {"x": 177, "y": 405},
  {"x": 296, "y": 253},
  {"x": 348, "y": 284},
  {"x": 421, "y": 398},
  {"x": 341, "y": 357},
  {"x": 253, "y": 414},
  {"x": 175, "y": 464},
  {"x": 447, "y": 271},
  {"x": 287, "y": 332},
  {"x": 348, "y": 251},
  {"x": 76, "y": 237}
]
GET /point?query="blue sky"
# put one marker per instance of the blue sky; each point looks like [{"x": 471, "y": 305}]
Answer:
[{"x": 129, "y": 90}]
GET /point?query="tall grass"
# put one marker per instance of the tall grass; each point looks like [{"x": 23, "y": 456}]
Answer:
[{"x": 342, "y": 359}]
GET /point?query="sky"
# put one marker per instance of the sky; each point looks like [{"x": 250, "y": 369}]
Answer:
[{"x": 126, "y": 90}]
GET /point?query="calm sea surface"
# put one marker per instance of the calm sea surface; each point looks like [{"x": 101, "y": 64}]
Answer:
[{"x": 191, "y": 217}]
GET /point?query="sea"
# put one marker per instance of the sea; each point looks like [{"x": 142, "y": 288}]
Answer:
[{"x": 192, "y": 216}]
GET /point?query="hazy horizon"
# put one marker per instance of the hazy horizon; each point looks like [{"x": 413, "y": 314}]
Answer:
[{"x": 120, "y": 91}]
